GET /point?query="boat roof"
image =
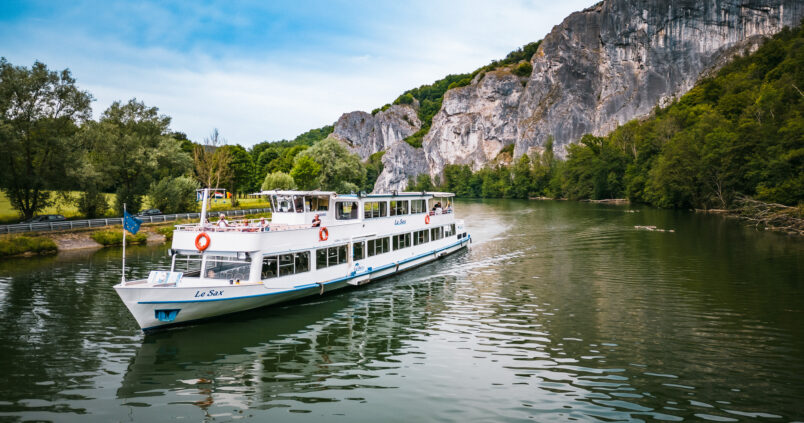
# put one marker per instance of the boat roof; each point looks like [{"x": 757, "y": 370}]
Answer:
[
  {"x": 385, "y": 195},
  {"x": 289, "y": 192}
]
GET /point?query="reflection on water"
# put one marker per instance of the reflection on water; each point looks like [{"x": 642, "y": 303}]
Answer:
[{"x": 558, "y": 311}]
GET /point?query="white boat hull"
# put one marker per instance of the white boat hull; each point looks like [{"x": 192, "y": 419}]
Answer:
[{"x": 159, "y": 307}]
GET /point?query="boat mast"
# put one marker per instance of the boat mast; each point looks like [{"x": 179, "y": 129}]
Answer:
[
  {"x": 204, "y": 204},
  {"x": 123, "y": 280}
]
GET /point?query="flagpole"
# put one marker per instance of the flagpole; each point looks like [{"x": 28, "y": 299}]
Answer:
[{"x": 124, "y": 244}]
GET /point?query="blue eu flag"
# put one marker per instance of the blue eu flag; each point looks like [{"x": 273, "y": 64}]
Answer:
[{"x": 131, "y": 223}]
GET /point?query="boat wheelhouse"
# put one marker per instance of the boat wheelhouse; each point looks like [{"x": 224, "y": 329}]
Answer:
[{"x": 315, "y": 242}]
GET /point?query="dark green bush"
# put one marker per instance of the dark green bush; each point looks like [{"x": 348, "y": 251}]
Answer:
[
  {"x": 523, "y": 69},
  {"x": 115, "y": 237},
  {"x": 24, "y": 244}
]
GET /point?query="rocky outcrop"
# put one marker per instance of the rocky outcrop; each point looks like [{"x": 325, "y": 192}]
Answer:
[
  {"x": 475, "y": 123},
  {"x": 366, "y": 134},
  {"x": 400, "y": 162},
  {"x": 600, "y": 68}
]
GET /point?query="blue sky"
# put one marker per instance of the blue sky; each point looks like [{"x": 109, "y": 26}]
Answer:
[{"x": 266, "y": 70}]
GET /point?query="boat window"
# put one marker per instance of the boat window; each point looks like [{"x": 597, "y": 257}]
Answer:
[
  {"x": 345, "y": 210},
  {"x": 373, "y": 209},
  {"x": 378, "y": 246},
  {"x": 358, "y": 251},
  {"x": 189, "y": 264},
  {"x": 418, "y": 206},
  {"x": 332, "y": 256},
  {"x": 226, "y": 267},
  {"x": 401, "y": 241},
  {"x": 399, "y": 207},
  {"x": 421, "y": 237},
  {"x": 449, "y": 230},
  {"x": 283, "y": 203},
  {"x": 298, "y": 203},
  {"x": 319, "y": 203},
  {"x": 436, "y": 233},
  {"x": 285, "y": 264}
]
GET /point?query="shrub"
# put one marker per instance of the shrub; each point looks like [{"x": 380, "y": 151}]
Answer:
[
  {"x": 524, "y": 69},
  {"x": 415, "y": 140},
  {"x": 115, "y": 237},
  {"x": 25, "y": 244},
  {"x": 166, "y": 231},
  {"x": 406, "y": 98},
  {"x": 173, "y": 195},
  {"x": 278, "y": 180},
  {"x": 460, "y": 83}
]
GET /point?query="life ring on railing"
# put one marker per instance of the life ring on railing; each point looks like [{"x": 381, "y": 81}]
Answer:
[
  {"x": 202, "y": 246},
  {"x": 427, "y": 219},
  {"x": 323, "y": 234}
]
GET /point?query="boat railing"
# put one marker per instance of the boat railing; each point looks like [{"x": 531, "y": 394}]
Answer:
[{"x": 252, "y": 225}]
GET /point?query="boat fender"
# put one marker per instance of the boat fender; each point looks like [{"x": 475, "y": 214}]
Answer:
[
  {"x": 427, "y": 219},
  {"x": 202, "y": 245},
  {"x": 321, "y": 284},
  {"x": 323, "y": 234}
]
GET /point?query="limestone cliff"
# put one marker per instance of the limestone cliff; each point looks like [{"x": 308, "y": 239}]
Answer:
[
  {"x": 400, "y": 162},
  {"x": 366, "y": 134},
  {"x": 600, "y": 68}
]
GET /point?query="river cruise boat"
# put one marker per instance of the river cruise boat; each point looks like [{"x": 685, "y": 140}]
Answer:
[{"x": 315, "y": 242}]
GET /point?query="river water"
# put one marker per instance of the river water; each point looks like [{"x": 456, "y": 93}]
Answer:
[{"x": 558, "y": 311}]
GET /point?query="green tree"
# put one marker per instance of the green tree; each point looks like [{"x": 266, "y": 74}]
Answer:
[
  {"x": 40, "y": 111},
  {"x": 213, "y": 161},
  {"x": 340, "y": 170},
  {"x": 241, "y": 167},
  {"x": 130, "y": 148},
  {"x": 306, "y": 172},
  {"x": 522, "y": 178},
  {"x": 174, "y": 195},
  {"x": 374, "y": 168},
  {"x": 278, "y": 180}
]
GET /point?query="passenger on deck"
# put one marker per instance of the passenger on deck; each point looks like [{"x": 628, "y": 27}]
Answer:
[
  {"x": 449, "y": 207},
  {"x": 222, "y": 221},
  {"x": 316, "y": 221},
  {"x": 437, "y": 208},
  {"x": 264, "y": 225}
]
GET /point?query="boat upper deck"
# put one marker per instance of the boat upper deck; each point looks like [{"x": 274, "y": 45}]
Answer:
[{"x": 298, "y": 210}]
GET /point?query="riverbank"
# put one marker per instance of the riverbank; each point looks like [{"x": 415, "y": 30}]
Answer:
[{"x": 95, "y": 238}]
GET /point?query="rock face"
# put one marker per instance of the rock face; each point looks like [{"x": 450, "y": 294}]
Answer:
[
  {"x": 600, "y": 68},
  {"x": 400, "y": 162},
  {"x": 365, "y": 134}
]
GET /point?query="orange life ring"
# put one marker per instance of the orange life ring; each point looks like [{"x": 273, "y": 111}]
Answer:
[
  {"x": 199, "y": 245},
  {"x": 323, "y": 234},
  {"x": 427, "y": 219}
]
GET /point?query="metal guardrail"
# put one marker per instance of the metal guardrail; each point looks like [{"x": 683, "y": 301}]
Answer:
[{"x": 96, "y": 223}]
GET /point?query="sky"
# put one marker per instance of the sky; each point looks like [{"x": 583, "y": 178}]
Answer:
[{"x": 266, "y": 70}]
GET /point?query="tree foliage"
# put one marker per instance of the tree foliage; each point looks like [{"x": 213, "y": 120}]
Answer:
[
  {"x": 174, "y": 195},
  {"x": 341, "y": 170},
  {"x": 127, "y": 150},
  {"x": 213, "y": 161},
  {"x": 40, "y": 112},
  {"x": 278, "y": 180}
]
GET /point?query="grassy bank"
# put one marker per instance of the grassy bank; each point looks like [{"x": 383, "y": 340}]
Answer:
[
  {"x": 67, "y": 208},
  {"x": 115, "y": 237},
  {"x": 18, "y": 245}
]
